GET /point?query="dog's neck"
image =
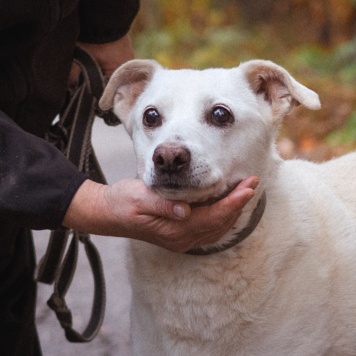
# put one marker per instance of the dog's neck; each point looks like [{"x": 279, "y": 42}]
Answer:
[{"x": 239, "y": 236}]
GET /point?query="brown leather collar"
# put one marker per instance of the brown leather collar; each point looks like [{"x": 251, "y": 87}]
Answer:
[{"x": 240, "y": 236}]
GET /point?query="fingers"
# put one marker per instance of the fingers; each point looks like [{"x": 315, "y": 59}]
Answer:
[
  {"x": 249, "y": 182},
  {"x": 224, "y": 212},
  {"x": 218, "y": 218},
  {"x": 237, "y": 199},
  {"x": 74, "y": 75},
  {"x": 242, "y": 194}
]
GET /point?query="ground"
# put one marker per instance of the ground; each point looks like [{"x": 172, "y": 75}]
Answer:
[{"x": 115, "y": 153}]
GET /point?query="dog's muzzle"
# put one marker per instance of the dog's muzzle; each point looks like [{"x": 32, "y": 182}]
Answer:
[{"x": 171, "y": 166}]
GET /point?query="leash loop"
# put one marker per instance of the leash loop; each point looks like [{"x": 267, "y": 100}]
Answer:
[{"x": 72, "y": 135}]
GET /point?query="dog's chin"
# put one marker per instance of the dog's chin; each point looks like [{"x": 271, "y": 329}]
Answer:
[
  {"x": 213, "y": 199},
  {"x": 196, "y": 197}
]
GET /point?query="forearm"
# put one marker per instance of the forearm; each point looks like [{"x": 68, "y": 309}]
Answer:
[{"x": 89, "y": 211}]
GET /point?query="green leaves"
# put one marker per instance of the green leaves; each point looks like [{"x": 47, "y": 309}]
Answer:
[{"x": 346, "y": 134}]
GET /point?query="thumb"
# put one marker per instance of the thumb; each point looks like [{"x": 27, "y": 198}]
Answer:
[
  {"x": 172, "y": 209},
  {"x": 156, "y": 205}
]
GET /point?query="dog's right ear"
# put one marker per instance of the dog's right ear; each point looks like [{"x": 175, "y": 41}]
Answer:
[{"x": 126, "y": 84}]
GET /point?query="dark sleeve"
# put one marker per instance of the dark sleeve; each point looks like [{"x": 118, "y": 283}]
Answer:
[
  {"x": 23, "y": 23},
  {"x": 37, "y": 182},
  {"x": 103, "y": 21}
]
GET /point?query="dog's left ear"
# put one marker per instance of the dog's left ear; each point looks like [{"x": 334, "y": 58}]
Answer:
[
  {"x": 126, "y": 84},
  {"x": 278, "y": 87}
]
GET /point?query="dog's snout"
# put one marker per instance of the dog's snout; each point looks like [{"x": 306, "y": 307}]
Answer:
[{"x": 171, "y": 158}]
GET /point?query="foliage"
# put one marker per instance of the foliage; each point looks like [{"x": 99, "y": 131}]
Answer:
[{"x": 346, "y": 134}]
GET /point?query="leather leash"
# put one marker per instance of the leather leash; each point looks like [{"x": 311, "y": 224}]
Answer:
[{"x": 72, "y": 135}]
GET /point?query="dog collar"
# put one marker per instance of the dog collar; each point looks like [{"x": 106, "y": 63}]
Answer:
[{"x": 240, "y": 236}]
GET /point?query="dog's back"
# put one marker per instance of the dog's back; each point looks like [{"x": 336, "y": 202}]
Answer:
[{"x": 340, "y": 175}]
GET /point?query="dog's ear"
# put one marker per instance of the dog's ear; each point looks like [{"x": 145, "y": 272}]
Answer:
[
  {"x": 126, "y": 84},
  {"x": 278, "y": 87}
]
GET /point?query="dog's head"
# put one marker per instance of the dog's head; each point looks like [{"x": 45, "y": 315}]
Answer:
[{"x": 198, "y": 133}]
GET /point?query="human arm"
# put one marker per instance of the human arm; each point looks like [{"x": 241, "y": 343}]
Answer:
[
  {"x": 37, "y": 182},
  {"x": 130, "y": 209}
]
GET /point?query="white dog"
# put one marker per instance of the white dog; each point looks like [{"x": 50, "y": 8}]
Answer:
[{"x": 283, "y": 280}]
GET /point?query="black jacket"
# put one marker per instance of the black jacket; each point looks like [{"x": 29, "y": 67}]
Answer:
[
  {"x": 37, "y": 182},
  {"x": 37, "y": 40}
]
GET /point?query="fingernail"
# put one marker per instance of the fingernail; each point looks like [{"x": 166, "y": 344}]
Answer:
[
  {"x": 254, "y": 183},
  {"x": 250, "y": 194},
  {"x": 179, "y": 211}
]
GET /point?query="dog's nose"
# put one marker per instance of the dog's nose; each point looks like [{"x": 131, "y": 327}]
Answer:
[{"x": 171, "y": 158}]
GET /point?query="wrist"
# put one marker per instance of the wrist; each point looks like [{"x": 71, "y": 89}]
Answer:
[{"x": 87, "y": 208}]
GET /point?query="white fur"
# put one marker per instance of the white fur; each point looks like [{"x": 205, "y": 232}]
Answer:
[{"x": 290, "y": 287}]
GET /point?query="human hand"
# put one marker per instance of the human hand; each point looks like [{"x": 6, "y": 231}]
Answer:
[
  {"x": 130, "y": 209},
  {"x": 153, "y": 219},
  {"x": 109, "y": 56}
]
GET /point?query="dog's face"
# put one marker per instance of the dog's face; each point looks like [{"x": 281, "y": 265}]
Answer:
[{"x": 198, "y": 133}]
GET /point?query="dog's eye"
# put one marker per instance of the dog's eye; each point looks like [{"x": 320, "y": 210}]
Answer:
[
  {"x": 152, "y": 118},
  {"x": 221, "y": 116}
]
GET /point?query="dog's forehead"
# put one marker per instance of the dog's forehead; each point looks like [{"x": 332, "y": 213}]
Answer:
[
  {"x": 191, "y": 83},
  {"x": 187, "y": 94}
]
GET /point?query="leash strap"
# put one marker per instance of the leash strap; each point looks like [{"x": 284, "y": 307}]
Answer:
[
  {"x": 72, "y": 135},
  {"x": 57, "y": 301}
]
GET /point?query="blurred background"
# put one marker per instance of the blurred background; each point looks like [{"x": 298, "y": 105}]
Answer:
[{"x": 315, "y": 40}]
